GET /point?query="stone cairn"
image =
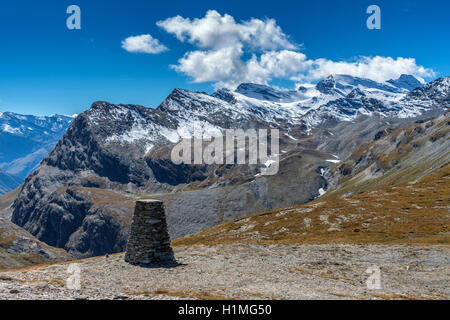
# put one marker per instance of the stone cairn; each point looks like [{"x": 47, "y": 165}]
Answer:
[{"x": 149, "y": 242}]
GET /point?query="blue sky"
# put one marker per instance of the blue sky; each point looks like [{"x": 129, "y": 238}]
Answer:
[{"x": 46, "y": 68}]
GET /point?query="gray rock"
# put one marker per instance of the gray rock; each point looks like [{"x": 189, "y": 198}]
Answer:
[{"x": 149, "y": 242}]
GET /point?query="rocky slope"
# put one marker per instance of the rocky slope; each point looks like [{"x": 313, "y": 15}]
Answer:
[
  {"x": 18, "y": 248},
  {"x": 395, "y": 155},
  {"x": 394, "y": 189},
  {"x": 91, "y": 157},
  {"x": 414, "y": 213},
  {"x": 80, "y": 197}
]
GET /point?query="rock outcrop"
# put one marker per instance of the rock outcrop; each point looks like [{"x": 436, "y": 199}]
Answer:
[{"x": 18, "y": 248}]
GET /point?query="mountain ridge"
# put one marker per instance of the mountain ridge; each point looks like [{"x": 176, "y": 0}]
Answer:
[
  {"x": 391, "y": 190},
  {"x": 26, "y": 139},
  {"x": 123, "y": 151}
]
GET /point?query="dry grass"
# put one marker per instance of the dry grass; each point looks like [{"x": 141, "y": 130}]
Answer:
[
  {"x": 56, "y": 282},
  {"x": 18, "y": 258},
  {"x": 118, "y": 205},
  {"x": 43, "y": 265},
  {"x": 302, "y": 270},
  {"x": 345, "y": 295},
  {"x": 6, "y": 239},
  {"x": 408, "y": 213},
  {"x": 8, "y": 198},
  {"x": 395, "y": 296},
  {"x": 396, "y": 158}
]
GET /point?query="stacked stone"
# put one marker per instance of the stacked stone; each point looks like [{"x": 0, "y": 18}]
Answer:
[{"x": 149, "y": 242}]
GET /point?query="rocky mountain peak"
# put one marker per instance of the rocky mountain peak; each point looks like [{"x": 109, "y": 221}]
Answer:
[
  {"x": 120, "y": 151},
  {"x": 343, "y": 84},
  {"x": 252, "y": 87},
  {"x": 406, "y": 81},
  {"x": 181, "y": 99},
  {"x": 438, "y": 90},
  {"x": 264, "y": 92},
  {"x": 225, "y": 95},
  {"x": 326, "y": 85},
  {"x": 356, "y": 93},
  {"x": 101, "y": 106}
]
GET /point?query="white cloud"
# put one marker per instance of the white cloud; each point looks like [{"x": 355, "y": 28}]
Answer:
[
  {"x": 212, "y": 65},
  {"x": 284, "y": 63},
  {"x": 144, "y": 43},
  {"x": 376, "y": 68},
  {"x": 228, "y": 53},
  {"x": 225, "y": 67},
  {"x": 223, "y": 42},
  {"x": 215, "y": 31}
]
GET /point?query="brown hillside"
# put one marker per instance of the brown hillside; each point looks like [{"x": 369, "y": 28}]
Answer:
[{"x": 410, "y": 213}]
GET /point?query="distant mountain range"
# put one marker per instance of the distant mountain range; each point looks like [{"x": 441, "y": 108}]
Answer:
[
  {"x": 24, "y": 141},
  {"x": 81, "y": 196},
  {"x": 8, "y": 182}
]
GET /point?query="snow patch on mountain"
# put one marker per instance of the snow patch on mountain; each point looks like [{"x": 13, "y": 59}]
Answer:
[
  {"x": 7, "y": 128},
  {"x": 26, "y": 139},
  {"x": 339, "y": 97},
  {"x": 186, "y": 113}
]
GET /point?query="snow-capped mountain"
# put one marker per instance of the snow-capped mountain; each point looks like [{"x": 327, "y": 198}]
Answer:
[
  {"x": 262, "y": 92},
  {"x": 338, "y": 97},
  {"x": 405, "y": 81},
  {"x": 26, "y": 139},
  {"x": 81, "y": 196}
]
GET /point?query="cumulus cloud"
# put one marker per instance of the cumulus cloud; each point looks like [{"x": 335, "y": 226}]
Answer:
[
  {"x": 376, "y": 68},
  {"x": 212, "y": 65},
  {"x": 215, "y": 31},
  {"x": 284, "y": 63},
  {"x": 228, "y": 53},
  {"x": 222, "y": 43},
  {"x": 143, "y": 43}
]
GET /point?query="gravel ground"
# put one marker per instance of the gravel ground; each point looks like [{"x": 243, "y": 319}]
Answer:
[{"x": 248, "y": 272}]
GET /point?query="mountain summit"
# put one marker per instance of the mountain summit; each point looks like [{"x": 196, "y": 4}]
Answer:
[
  {"x": 406, "y": 81},
  {"x": 81, "y": 197},
  {"x": 343, "y": 84}
]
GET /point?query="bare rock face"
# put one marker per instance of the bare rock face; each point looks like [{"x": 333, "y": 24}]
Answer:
[
  {"x": 149, "y": 241},
  {"x": 18, "y": 248}
]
